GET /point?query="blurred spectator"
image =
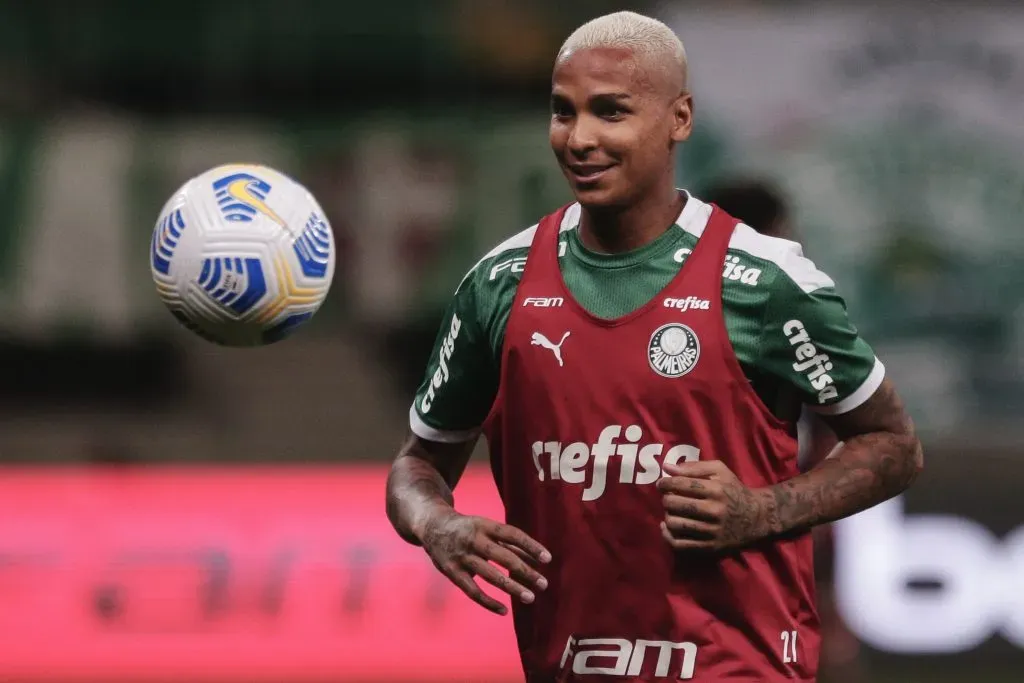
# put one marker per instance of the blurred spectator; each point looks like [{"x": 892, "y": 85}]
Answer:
[{"x": 756, "y": 202}]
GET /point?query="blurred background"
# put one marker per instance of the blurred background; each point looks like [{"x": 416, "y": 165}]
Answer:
[{"x": 173, "y": 511}]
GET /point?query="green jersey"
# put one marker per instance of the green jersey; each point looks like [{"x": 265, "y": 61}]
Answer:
[{"x": 787, "y": 325}]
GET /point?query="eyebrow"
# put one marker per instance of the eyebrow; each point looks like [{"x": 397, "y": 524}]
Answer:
[
  {"x": 615, "y": 96},
  {"x": 611, "y": 96}
]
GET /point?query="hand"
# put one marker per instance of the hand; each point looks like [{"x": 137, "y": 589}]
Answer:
[
  {"x": 464, "y": 546},
  {"x": 707, "y": 508}
]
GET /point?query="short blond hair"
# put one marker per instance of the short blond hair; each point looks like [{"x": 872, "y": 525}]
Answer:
[{"x": 645, "y": 37}]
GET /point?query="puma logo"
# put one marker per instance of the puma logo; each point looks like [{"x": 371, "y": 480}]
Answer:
[{"x": 539, "y": 339}]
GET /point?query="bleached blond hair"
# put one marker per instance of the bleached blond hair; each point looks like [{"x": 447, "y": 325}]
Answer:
[{"x": 647, "y": 38}]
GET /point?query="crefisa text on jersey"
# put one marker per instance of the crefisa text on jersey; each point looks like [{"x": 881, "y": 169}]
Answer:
[
  {"x": 442, "y": 373},
  {"x": 732, "y": 270},
  {"x": 814, "y": 365},
  {"x": 638, "y": 463},
  {"x": 690, "y": 302}
]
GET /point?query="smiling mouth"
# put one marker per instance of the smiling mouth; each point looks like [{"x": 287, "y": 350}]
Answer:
[{"x": 588, "y": 173}]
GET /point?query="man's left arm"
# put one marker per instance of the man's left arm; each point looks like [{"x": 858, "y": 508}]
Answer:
[
  {"x": 709, "y": 509},
  {"x": 810, "y": 346},
  {"x": 879, "y": 457}
]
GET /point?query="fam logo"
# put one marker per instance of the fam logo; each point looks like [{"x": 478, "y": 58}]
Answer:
[
  {"x": 673, "y": 350},
  {"x": 241, "y": 196}
]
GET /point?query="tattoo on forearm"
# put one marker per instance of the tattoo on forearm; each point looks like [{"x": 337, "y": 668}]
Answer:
[
  {"x": 421, "y": 481},
  {"x": 413, "y": 482},
  {"x": 745, "y": 518},
  {"x": 869, "y": 469},
  {"x": 880, "y": 458}
]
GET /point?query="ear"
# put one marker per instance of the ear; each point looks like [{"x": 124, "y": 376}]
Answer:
[{"x": 682, "y": 114}]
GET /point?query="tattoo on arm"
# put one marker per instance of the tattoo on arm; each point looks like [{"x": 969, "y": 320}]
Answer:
[
  {"x": 879, "y": 458},
  {"x": 421, "y": 480}
]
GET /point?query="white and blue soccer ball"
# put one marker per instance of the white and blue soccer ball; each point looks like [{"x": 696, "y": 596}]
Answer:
[{"x": 242, "y": 255}]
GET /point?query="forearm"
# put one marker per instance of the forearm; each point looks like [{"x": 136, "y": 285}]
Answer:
[
  {"x": 864, "y": 471},
  {"x": 415, "y": 488},
  {"x": 421, "y": 482}
]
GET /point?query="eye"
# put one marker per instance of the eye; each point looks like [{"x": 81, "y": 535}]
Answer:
[
  {"x": 561, "y": 109},
  {"x": 611, "y": 111}
]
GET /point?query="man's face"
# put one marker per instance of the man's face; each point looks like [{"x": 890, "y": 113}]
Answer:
[{"x": 613, "y": 125}]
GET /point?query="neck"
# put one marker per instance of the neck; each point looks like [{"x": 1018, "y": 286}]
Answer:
[{"x": 618, "y": 230}]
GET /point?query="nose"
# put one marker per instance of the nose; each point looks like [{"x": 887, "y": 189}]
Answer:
[{"x": 582, "y": 137}]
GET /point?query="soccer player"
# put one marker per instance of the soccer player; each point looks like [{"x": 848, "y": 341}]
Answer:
[{"x": 637, "y": 361}]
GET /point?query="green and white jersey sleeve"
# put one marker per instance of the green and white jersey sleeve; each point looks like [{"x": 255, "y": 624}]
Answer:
[
  {"x": 808, "y": 341},
  {"x": 463, "y": 372}
]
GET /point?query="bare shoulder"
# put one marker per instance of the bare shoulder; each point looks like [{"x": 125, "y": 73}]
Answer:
[{"x": 883, "y": 411}]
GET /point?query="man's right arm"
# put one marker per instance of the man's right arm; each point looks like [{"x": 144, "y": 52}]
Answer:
[
  {"x": 445, "y": 420},
  {"x": 421, "y": 482},
  {"x": 421, "y": 507}
]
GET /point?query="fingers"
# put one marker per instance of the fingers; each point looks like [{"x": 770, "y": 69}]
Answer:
[
  {"x": 467, "y": 585},
  {"x": 468, "y": 546},
  {"x": 516, "y": 562},
  {"x": 513, "y": 536},
  {"x": 518, "y": 552},
  {"x": 685, "y": 543},
  {"x": 697, "y": 469},
  {"x": 690, "y": 508},
  {"x": 688, "y": 486},
  {"x": 497, "y": 578},
  {"x": 692, "y": 523},
  {"x": 683, "y": 528}
]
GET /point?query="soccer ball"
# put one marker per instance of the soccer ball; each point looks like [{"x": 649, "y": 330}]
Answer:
[{"x": 242, "y": 255}]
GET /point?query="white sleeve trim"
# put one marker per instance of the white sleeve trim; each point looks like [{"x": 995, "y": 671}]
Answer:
[
  {"x": 425, "y": 431},
  {"x": 521, "y": 240},
  {"x": 858, "y": 397},
  {"x": 787, "y": 255}
]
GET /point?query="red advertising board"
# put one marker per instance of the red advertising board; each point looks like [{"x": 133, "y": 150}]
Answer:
[{"x": 254, "y": 574}]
